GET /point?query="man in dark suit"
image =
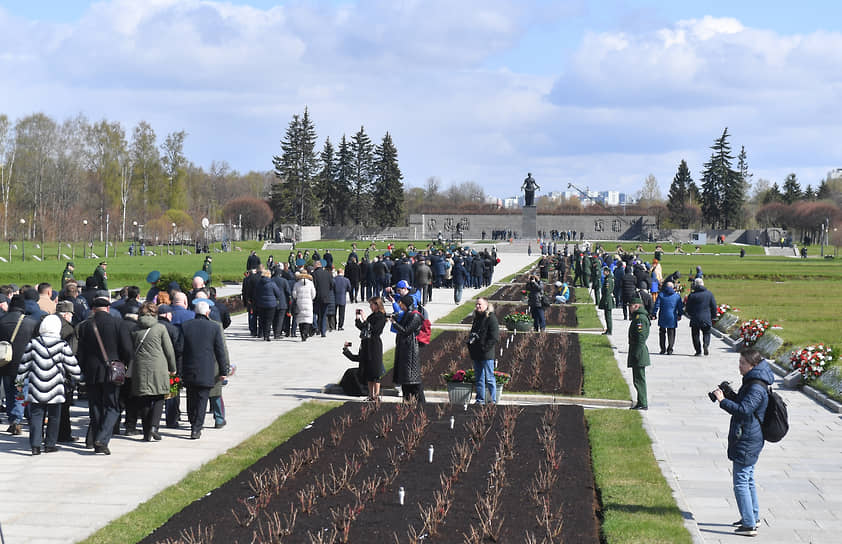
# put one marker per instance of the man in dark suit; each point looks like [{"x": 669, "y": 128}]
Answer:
[
  {"x": 103, "y": 396},
  {"x": 323, "y": 282},
  {"x": 8, "y": 324},
  {"x": 204, "y": 360}
]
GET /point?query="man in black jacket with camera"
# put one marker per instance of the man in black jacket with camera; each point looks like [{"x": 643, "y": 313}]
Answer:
[{"x": 482, "y": 343}]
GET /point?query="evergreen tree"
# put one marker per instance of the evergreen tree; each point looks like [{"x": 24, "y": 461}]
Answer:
[
  {"x": 388, "y": 189},
  {"x": 723, "y": 194},
  {"x": 792, "y": 189},
  {"x": 809, "y": 194},
  {"x": 297, "y": 167},
  {"x": 326, "y": 193},
  {"x": 362, "y": 173},
  {"x": 824, "y": 191},
  {"x": 680, "y": 195},
  {"x": 773, "y": 195},
  {"x": 344, "y": 173}
]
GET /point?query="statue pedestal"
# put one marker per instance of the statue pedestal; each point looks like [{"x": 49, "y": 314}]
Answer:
[{"x": 529, "y": 227}]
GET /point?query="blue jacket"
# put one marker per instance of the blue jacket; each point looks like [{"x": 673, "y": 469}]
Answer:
[
  {"x": 668, "y": 308},
  {"x": 458, "y": 275},
  {"x": 745, "y": 437},
  {"x": 268, "y": 293},
  {"x": 701, "y": 307},
  {"x": 341, "y": 288}
]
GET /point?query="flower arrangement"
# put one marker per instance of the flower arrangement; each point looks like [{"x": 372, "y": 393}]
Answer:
[
  {"x": 469, "y": 376},
  {"x": 721, "y": 309},
  {"x": 752, "y": 330},
  {"x": 175, "y": 386},
  {"x": 517, "y": 317},
  {"x": 812, "y": 360}
]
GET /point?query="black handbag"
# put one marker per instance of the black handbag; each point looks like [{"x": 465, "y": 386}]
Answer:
[{"x": 116, "y": 369}]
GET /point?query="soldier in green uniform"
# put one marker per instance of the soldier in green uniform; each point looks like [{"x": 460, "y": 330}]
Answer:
[
  {"x": 101, "y": 277},
  {"x": 67, "y": 275},
  {"x": 595, "y": 283},
  {"x": 586, "y": 272},
  {"x": 207, "y": 268},
  {"x": 606, "y": 303},
  {"x": 638, "y": 352}
]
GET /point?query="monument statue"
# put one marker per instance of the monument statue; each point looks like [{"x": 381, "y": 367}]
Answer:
[{"x": 529, "y": 186}]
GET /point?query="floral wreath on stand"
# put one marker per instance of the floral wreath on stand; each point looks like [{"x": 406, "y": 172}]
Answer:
[
  {"x": 812, "y": 360},
  {"x": 722, "y": 309},
  {"x": 752, "y": 330},
  {"x": 516, "y": 317}
]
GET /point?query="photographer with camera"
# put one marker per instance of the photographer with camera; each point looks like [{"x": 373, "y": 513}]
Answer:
[
  {"x": 482, "y": 342},
  {"x": 535, "y": 291},
  {"x": 745, "y": 436},
  {"x": 370, "y": 356}
]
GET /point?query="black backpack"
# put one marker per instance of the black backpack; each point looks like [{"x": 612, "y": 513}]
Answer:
[{"x": 775, "y": 423}]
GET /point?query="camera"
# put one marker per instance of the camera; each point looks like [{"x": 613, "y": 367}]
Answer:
[
  {"x": 347, "y": 344},
  {"x": 727, "y": 390}
]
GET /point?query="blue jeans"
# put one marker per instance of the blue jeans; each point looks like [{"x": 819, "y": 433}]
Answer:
[
  {"x": 484, "y": 371},
  {"x": 14, "y": 407},
  {"x": 457, "y": 294},
  {"x": 218, "y": 408},
  {"x": 746, "y": 494},
  {"x": 539, "y": 323}
]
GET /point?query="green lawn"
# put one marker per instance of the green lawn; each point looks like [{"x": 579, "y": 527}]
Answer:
[
  {"x": 603, "y": 379},
  {"x": 135, "y": 525},
  {"x": 637, "y": 504}
]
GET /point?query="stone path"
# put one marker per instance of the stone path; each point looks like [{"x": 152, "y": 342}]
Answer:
[
  {"x": 799, "y": 479},
  {"x": 64, "y": 497}
]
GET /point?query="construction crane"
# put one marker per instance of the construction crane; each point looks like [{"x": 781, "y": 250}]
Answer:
[{"x": 585, "y": 194}]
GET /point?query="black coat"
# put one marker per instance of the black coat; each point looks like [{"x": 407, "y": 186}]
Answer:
[
  {"x": 286, "y": 292},
  {"x": 177, "y": 341},
  {"x": 28, "y": 330},
  {"x": 407, "y": 357},
  {"x": 370, "y": 356},
  {"x": 323, "y": 282},
  {"x": 700, "y": 307},
  {"x": 115, "y": 339},
  {"x": 268, "y": 293},
  {"x": 487, "y": 331},
  {"x": 627, "y": 286},
  {"x": 352, "y": 272},
  {"x": 205, "y": 355}
]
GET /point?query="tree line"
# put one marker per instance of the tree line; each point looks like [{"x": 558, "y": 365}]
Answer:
[
  {"x": 78, "y": 179},
  {"x": 353, "y": 183}
]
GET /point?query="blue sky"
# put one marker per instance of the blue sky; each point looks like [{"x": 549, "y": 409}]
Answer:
[{"x": 600, "y": 94}]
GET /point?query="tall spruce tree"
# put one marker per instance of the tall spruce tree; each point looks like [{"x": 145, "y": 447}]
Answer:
[
  {"x": 773, "y": 194},
  {"x": 722, "y": 195},
  {"x": 293, "y": 199},
  {"x": 362, "y": 175},
  {"x": 325, "y": 187},
  {"x": 388, "y": 188},
  {"x": 344, "y": 173},
  {"x": 681, "y": 195},
  {"x": 792, "y": 189},
  {"x": 824, "y": 191},
  {"x": 809, "y": 194}
]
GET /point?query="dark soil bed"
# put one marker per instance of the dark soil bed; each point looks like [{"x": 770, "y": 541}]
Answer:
[
  {"x": 539, "y": 363},
  {"x": 557, "y": 315},
  {"x": 516, "y": 292},
  {"x": 525, "y": 463}
]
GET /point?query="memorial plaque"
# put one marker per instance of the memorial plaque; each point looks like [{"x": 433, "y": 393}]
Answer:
[
  {"x": 832, "y": 378},
  {"x": 725, "y": 322},
  {"x": 792, "y": 380},
  {"x": 768, "y": 344}
]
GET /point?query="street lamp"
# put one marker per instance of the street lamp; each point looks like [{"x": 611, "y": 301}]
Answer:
[
  {"x": 22, "y": 238},
  {"x": 825, "y": 226},
  {"x": 134, "y": 245},
  {"x": 84, "y": 228}
]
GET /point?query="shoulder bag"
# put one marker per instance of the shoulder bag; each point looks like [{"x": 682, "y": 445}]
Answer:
[
  {"x": 116, "y": 369},
  {"x": 6, "y": 347}
]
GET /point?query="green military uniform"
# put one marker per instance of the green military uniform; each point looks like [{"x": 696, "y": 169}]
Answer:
[
  {"x": 101, "y": 277},
  {"x": 586, "y": 272},
  {"x": 595, "y": 277},
  {"x": 606, "y": 303},
  {"x": 67, "y": 275},
  {"x": 207, "y": 268},
  {"x": 639, "y": 353}
]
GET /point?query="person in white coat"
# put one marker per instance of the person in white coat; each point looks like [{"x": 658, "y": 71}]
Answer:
[{"x": 303, "y": 295}]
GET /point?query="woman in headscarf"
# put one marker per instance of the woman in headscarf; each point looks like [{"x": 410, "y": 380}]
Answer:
[{"x": 151, "y": 368}]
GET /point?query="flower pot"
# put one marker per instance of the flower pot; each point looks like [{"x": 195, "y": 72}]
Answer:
[
  {"x": 459, "y": 392},
  {"x": 523, "y": 326}
]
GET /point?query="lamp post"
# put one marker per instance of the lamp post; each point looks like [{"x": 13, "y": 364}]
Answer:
[
  {"x": 134, "y": 226},
  {"x": 22, "y": 238},
  {"x": 825, "y": 226},
  {"x": 172, "y": 240},
  {"x": 84, "y": 228}
]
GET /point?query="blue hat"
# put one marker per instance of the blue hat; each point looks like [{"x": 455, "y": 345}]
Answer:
[
  {"x": 209, "y": 301},
  {"x": 153, "y": 277},
  {"x": 202, "y": 274},
  {"x": 403, "y": 284}
]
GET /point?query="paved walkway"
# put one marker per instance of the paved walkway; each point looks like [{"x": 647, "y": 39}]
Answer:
[
  {"x": 799, "y": 479},
  {"x": 64, "y": 497}
]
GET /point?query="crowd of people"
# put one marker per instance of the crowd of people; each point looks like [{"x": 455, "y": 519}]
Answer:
[{"x": 129, "y": 357}]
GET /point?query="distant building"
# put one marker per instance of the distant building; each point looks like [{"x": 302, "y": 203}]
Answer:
[{"x": 836, "y": 173}]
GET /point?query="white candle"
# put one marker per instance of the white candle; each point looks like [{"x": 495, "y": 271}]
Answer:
[
  {"x": 452, "y": 422},
  {"x": 401, "y": 495},
  {"x": 430, "y": 454}
]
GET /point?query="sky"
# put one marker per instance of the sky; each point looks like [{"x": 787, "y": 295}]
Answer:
[{"x": 597, "y": 94}]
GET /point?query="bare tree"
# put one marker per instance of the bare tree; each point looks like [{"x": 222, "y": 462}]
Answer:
[{"x": 7, "y": 166}]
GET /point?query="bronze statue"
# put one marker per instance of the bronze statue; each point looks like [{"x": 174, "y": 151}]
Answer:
[{"x": 529, "y": 186}]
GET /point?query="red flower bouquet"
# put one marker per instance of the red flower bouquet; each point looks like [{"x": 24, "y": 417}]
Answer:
[{"x": 812, "y": 360}]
